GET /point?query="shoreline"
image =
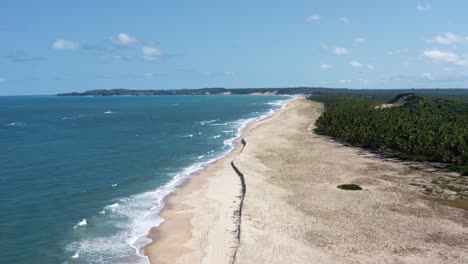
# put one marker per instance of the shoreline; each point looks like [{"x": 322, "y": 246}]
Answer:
[{"x": 194, "y": 181}]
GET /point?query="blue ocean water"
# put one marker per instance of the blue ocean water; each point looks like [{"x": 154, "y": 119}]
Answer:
[{"x": 83, "y": 178}]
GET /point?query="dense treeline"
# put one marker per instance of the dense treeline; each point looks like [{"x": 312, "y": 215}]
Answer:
[{"x": 422, "y": 128}]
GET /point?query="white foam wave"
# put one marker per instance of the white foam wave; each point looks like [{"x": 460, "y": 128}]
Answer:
[
  {"x": 109, "y": 112},
  {"x": 242, "y": 124},
  {"x": 16, "y": 124},
  {"x": 114, "y": 185},
  {"x": 76, "y": 255},
  {"x": 81, "y": 223},
  {"x": 112, "y": 206},
  {"x": 72, "y": 117},
  {"x": 217, "y": 136},
  {"x": 218, "y": 124},
  {"x": 135, "y": 215},
  {"x": 208, "y": 122}
]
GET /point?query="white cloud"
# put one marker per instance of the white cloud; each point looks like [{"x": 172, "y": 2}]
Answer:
[
  {"x": 123, "y": 39},
  {"x": 438, "y": 55},
  {"x": 428, "y": 76},
  {"x": 445, "y": 56},
  {"x": 423, "y": 7},
  {"x": 313, "y": 18},
  {"x": 344, "y": 20},
  {"x": 151, "y": 53},
  {"x": 345, "y": 81},
  {"x": 340, "y": 51},
  {"x": 61, "y": 44},
  {"x": 359, "y": 40},
  {"x": 356, "y": 64},
  {"x": 326, "y": 66},
  {"x": 2, "y": 80},
  {"x": 448, "y": 38}
]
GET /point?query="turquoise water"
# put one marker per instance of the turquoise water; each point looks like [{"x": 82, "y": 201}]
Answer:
[{"x": 83, "y": 178}]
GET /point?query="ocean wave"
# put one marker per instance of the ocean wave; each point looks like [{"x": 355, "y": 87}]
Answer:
[
  {"x": 112, "y": 206},
  {"x": 218, "y": 124},
  {"x": 81, "y": 223},
  {"x": 278, "y": 103},
  {"x": 110, "y": 112},
  {"x": 20, "y": 124},
  {"x": 242, "y": 124},
  {"x": 208, "y": 122},
  {"x": 133, "y": 216},
  {"x": 72, "y": 117}
]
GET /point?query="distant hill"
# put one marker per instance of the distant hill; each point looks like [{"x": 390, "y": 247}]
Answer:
[
  {"x": 381, "y": 94},
  {"x": 202, "y": 91}
]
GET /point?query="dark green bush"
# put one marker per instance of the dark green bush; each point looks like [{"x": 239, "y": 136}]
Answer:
[{"x": 350, "y": 187}]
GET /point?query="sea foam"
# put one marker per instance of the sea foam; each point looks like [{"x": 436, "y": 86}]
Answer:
[
  {"x": 20, "y": 124},
  {"x": 208, "y": 122},
  {"x": 135, "y": 215},
  {"x": 81, "y": 223}
]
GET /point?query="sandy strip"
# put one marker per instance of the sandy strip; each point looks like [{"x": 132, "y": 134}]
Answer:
[{"x": 293, "y": 212}]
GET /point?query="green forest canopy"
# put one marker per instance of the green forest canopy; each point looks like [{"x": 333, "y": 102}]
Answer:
[{"x": 423, "y": 128}]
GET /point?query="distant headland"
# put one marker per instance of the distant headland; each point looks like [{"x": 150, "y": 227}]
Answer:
[{"x": 265, "y": 91}]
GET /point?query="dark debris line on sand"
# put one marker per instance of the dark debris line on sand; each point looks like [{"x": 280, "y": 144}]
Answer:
[{"x": 241, "y": 204}]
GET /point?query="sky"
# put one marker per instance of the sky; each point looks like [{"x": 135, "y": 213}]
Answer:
[{"x": 48, "y": 47}]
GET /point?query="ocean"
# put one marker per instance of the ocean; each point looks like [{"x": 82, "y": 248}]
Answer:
[{"x": 83, "y": 178}]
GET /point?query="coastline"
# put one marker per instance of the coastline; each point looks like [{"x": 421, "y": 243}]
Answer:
[
  {"x": 294, "y": 213},
  {"x": 176, "y": 212}
]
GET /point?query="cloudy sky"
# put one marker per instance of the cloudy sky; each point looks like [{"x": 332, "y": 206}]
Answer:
[{"x": 48, "y": 47}]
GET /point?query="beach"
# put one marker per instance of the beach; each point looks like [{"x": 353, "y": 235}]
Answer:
[{"x": 293, "y": 211}]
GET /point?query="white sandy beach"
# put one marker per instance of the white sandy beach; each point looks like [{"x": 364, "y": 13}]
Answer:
[{"x": 294, "y": 213}]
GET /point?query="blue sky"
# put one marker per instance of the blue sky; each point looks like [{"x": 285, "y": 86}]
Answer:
[{"x": 59, "y": 46}]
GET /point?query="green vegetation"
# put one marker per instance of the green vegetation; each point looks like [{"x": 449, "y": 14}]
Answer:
[
  {"x": 350, "y": 187},
  {"x": 417, "y": 127},
  {"x": 463, "y": 170}
]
